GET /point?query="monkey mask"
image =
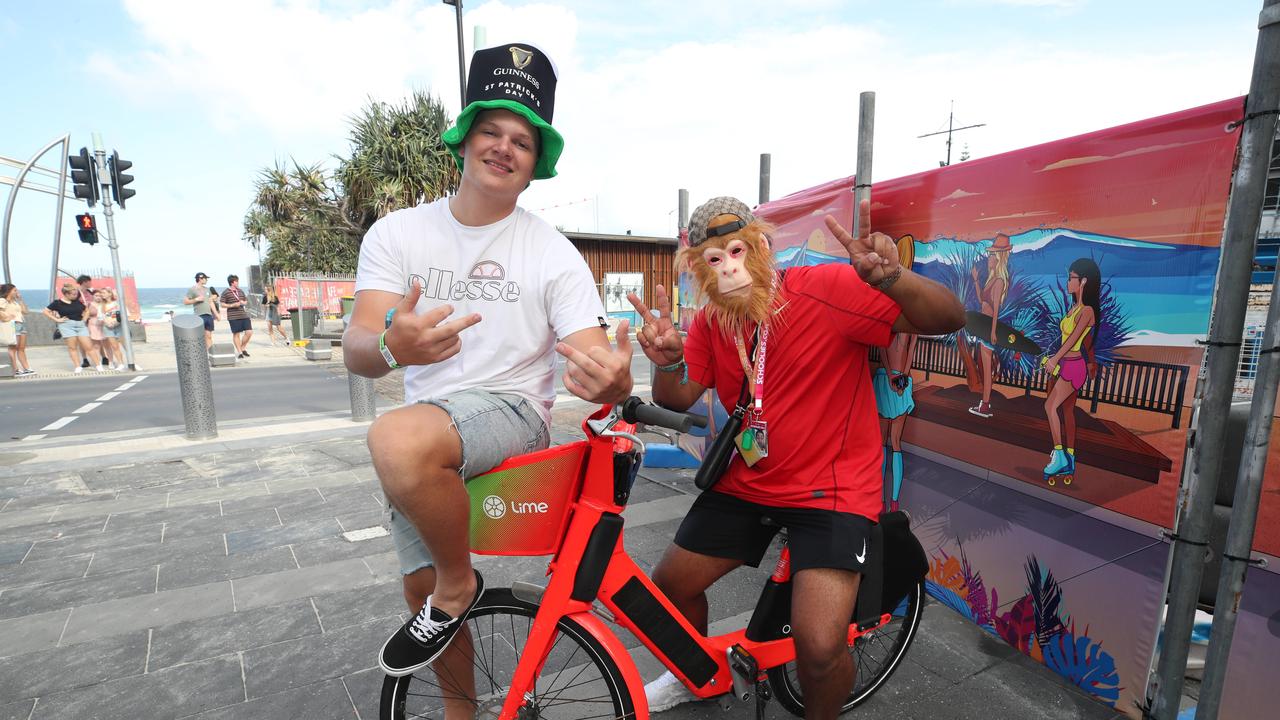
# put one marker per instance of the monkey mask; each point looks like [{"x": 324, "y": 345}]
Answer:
[{"x": 732, "y": 263}]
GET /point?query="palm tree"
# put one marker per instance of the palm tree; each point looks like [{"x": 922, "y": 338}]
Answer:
[
  {"x": 397, "y": 159},
  {"x": 314, "y": 220}
]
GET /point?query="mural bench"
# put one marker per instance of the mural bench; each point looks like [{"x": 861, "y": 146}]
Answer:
[{"x": 1138, "y": 384}]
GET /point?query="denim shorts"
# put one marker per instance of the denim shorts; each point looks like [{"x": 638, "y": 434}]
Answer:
[
  {"x": 493, "y": 427},
  {"x": 73, "y": 328},
  {"x": 111, "y": 332},
  {"x": 19, "y": 328}
]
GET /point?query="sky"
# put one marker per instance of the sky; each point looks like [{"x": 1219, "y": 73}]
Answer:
[{"x": 653, "y": 96}]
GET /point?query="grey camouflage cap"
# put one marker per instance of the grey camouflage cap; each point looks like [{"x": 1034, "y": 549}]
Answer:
[{"x": 723, "y": 205}]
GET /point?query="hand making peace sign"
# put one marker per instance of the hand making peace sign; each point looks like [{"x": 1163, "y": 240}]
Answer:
[
  {"x": 873, "y": 255},
  {"x": 661, "y": 341},
  {"x": 425, "y": 339}
]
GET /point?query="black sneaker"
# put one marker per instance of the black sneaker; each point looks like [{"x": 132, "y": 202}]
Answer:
[
  {"x": 84, "y": 362},
  {"x": 424, "y": 638},
  {"x": 246, "y": 353}
]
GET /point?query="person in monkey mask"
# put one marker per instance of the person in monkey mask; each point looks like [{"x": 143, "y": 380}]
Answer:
[{"x": 794, "y": 344}]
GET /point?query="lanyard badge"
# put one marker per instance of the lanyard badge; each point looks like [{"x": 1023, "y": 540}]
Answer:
[{"x": 753, "y": 442}]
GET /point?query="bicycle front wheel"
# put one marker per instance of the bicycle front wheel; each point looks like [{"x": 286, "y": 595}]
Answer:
[
  {"x": 876, "y": 655},
  {"x": 578, "y": 679}
]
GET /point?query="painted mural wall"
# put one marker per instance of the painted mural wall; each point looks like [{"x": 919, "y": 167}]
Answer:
[{"x": 1040, "y": 449}]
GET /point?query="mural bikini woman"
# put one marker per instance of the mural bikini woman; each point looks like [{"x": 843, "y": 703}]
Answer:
[
  {"x": 1067, "y": 368},
  {"x": 992, "y": 294}
]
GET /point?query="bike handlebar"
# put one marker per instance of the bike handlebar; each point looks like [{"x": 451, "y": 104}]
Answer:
[{"x": 636, "y": 410}]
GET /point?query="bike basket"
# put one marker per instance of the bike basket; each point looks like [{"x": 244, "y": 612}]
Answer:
[{"x": 521, "y": 507}]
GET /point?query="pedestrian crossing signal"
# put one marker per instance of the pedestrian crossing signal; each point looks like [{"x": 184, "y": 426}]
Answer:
[{"x": 88, "y": 228}]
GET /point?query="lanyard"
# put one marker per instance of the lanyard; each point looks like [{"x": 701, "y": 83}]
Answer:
[{"x": 756, "y": 378}]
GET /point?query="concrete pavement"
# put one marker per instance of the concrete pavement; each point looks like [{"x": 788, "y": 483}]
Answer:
[{"x": 155, "y": 577}]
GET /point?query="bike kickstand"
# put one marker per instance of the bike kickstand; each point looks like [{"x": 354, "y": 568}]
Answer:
[{"x": 762, "y": 697}]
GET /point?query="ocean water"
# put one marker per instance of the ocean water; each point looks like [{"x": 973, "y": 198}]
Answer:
[{"x": 155, "y": 302}]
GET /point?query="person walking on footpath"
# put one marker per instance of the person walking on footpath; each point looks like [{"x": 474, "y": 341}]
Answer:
[
  {"x": 271, "y": 303},
  {"x": 13, "y": 333},
  {"x": 70, "y": 315},
  {"x": 480, "y": 354},
  {"x": 199, "y": 298},
  {"x": 236, "y": 303}
]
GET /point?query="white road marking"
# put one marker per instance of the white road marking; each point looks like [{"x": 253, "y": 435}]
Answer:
[
  {"x": 59, "y": 423},
  {"x": 85, "y": 408},
  {"x": 139, "y": 379},
  {"x": 108, "y": 396},
  {"x": 124, "y": 387},
  {"x": 368, "y": 533},
  {"x": 34, "y": 437}
]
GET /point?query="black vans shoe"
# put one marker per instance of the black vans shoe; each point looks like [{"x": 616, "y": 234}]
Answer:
[{"x": 424, "y": 638}]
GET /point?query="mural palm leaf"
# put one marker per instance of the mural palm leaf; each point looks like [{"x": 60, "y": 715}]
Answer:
[{"x": 1046, "y": 597}]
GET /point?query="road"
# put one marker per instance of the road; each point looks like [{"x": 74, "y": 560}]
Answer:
[{"x": 116, "y": 402}]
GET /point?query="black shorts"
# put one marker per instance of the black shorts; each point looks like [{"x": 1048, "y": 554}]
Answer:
[
  {"x": 724, "y": 526},
  {"x": 208, "y": 322},
  {"x": 240, "y": 325}
]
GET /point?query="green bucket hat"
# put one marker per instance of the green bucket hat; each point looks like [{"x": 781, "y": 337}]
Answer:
[{"x": 519, "y": 78}]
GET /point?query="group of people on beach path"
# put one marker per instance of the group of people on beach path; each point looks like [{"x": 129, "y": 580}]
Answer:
[
  {"x": 87, "y": 319},
  {"x": 233, "y": 305}
]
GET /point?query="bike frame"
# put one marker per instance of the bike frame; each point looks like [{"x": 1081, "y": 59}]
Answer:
[{"x": 591, "y": 563}]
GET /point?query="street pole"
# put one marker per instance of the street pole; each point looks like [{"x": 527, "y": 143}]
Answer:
[
  {"x": 195, "y": 383},
  {"x": 1222, "y": 353},
  {"x": 1255, "y": 143},
  {"x": 100, "y": 152},
  {"x": 866, "y": 134},
  {"x": 765, "y": 161},
  {"x": 462, "y": 60}
]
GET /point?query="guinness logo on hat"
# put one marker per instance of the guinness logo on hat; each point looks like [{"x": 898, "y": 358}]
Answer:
[{"x": 520, "y": 57}]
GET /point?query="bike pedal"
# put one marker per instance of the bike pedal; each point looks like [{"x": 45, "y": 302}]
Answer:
[{"x": 744, "y": 670}]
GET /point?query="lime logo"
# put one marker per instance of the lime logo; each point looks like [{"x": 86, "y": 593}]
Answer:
[{"x": 494, "y": 507}]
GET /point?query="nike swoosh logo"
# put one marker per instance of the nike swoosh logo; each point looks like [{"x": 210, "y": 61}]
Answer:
[{"x": 863, "y": 555}]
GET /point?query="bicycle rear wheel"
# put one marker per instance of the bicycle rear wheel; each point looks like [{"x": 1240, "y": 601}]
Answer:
[
  {"x": 876, "y": 654},
  {"x": 578, "y": 679}
]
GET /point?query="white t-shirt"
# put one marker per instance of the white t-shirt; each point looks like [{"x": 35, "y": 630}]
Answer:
[{"x": 526, "y": 280}]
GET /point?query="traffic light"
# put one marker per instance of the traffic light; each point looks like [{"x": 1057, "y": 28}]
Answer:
[
  {"x": 117, "y": 166},
  {"x": 85, "y": 176},
  {"x": 88, "y": 228}
]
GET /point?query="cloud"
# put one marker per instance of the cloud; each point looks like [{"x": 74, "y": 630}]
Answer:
[
  {"x": 643, "y": 114},
  {"x": 1090, "y": 159},
  {"x": 959, "y": 193}
]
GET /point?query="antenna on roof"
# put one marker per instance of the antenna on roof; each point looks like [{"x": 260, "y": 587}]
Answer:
[{"x": 950, "y": 129}]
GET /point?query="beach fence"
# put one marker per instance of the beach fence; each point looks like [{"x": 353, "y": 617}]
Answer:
[{"x": 320, "y": 294}]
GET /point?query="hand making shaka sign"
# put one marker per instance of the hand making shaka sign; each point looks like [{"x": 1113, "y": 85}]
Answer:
[
  {"x": 659, "y": 337},
  {"x": 873, "y": 255},
  {"x": 425, "y": 339}
]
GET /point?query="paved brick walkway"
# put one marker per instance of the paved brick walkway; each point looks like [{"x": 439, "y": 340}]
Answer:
[{"x": 218, "y": 584}]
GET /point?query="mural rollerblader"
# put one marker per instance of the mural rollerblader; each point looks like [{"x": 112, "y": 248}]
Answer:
[{"x": 1067, "y": 368}]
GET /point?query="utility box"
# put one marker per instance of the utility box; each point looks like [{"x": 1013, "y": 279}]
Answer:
[
  {"x": 319, "y": 350},
  {"x": 222, "y": 355}
]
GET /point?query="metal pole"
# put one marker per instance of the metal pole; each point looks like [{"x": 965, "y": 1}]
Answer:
[
  {"x": 57, "y": 218},
  {"x": 101, "y": 153},
  {"x": 363, "y": 399},
  {"x": 866, "y": 134},
  {"x": 764, "y": 177},
  {"x": 194, "y": 379},
  {"x": 1244, "y": 211},
  {"x": 462, "y": 61},
  {"x": 1256, "y": 142}
]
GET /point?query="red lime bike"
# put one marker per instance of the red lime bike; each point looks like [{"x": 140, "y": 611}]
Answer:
[{"x": 545, "y": 652}]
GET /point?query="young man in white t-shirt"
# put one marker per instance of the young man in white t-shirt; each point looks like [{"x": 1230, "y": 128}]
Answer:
[{"x": 470, "y": 294}]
